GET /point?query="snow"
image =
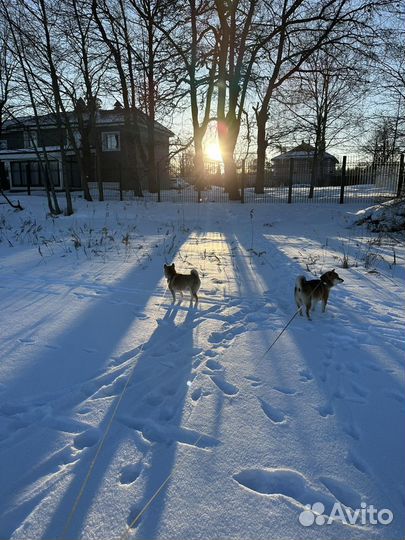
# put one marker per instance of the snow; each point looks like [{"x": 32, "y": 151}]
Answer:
[
  {"x": 116, "y": 405},
  {"x": 388, "y": 216}
]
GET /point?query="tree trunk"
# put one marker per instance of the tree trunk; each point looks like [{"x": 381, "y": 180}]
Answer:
[
  {"x": 228, "y": 135},
  {"x": 261, "y": 153},
  {"x": 231, "y": 178},
  {"x": 198, "y": 160},
  {"x": 129, "y": 148},
  {"x": 151, "y": 111}
]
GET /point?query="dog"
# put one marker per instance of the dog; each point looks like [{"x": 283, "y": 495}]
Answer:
[
  {"x": 308, "y": 293},
  {"x": 182, "y": 282}
]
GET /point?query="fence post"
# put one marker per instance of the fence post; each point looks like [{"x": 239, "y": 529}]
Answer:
[
  {"x": 120, "y": 181},
  {"x": 199, "y": 199},
  {"x": 158, "y": 180},
  {"x": 343, "y": 181},
  {"x": 290, "y": 180},
  {"x": 242, "y": 182},
  {"x": 28, "y": 172},
  {"x": 401, "y": 176}
]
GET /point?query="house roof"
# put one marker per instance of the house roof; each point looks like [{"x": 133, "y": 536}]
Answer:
[
  {"x": 104, "y": 117},
  {"x": 303, "y": 151}
]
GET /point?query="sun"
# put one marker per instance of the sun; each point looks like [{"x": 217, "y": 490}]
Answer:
[{"x": 213, "y": 152}]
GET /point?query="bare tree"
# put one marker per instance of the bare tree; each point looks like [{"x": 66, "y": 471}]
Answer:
[
  {"x": 324, "y": 102},
  {"x": 7, "y": 68},
  {"x": 82, "y": 82},
  {"x": 189, "y": 29},
  {"x": 390, "y": 78},
  {"x": 19, "y": 45},
  {"x": 150, "y": 14},
  {"x": 239, "y": 45},
  {"x": 301, "y": 32},
  {"x": 382, "y": 144},
  {"x": 113, "y": 21}
]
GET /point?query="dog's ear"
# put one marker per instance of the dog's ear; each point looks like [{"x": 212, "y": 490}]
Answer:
[
  {"x": 165, "y": 266},
  {"x": 173, "y": 266},
  {"x": 333, "y": 270}
]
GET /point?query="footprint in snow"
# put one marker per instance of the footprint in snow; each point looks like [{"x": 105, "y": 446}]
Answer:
[
  {"x": 357, "y": 462},
  {"x": 373, "y": 367},
  {"x": 111, "y": 390},
  {"x": 255, "y": 317},
  {"x": 359, "y": 391},
  {"x": 53, "y": 347},
  {"x": 285, "y": 390},
  {"x": 156, "y": 432},
  {"x": 213, "y": 365},
  {"x": 167, "y": 412},
  {"x": 305, "y": 375},
  {"x": 342, "y": 492},
  {"x": 352, "y": 367},
  {"x": 225, "y": 387},
  {"x": 89, "y": 350},
  {"x": 26, "y": 341},
  {"x": 154, "y": 398},
  {"x": 326, "y": 410},
  {"x": 286, "y": 482},
  {"x": 87, "y": 439},
  {"x": 198, "y": 393},
  {"x": 254, "y": 381},
  {"x": 352, "y": 431},
  {"x": 130, "y": 473},
  {"x": 277, "y": 416},
  {"x": 226, "y": 335}
]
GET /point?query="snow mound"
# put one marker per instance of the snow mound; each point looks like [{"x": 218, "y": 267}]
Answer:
[{"x": 388, "y": 216}]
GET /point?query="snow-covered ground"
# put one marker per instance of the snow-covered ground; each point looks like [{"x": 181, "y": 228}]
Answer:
[{"x": 122, "y": 416}]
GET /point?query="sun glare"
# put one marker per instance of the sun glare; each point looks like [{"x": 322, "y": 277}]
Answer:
[{"x": 213, "y": 152}]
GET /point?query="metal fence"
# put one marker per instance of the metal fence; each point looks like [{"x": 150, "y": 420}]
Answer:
[{"x": 351, "y": 180}]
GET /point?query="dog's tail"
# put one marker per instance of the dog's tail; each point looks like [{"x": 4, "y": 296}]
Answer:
[
  {"x": 299, "y": 282},
  {"x": 195, "y": 273}
]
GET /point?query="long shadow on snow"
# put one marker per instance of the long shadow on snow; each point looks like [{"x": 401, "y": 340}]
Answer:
[
  {"x": 163, "y": 428},
  {"x": 152, "y": 411},
  {"x": 66, "y": 390}
]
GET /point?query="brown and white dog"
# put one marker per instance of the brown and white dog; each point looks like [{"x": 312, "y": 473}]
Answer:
[
  {"x": 308, "y": 293},
  {"x": 182, "y": 282}
]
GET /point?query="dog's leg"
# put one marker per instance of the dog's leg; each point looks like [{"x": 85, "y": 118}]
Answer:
[
  {"x": 299, "y": 307},
  {"x": 325, "y": 301},
  {"x": 196, "y": 299},
  {"x": 173, "y": 295},
  {"x": 308, "y": 310}
]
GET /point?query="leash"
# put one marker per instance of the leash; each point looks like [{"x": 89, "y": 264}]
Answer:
[{"x": 289, "y": 322}]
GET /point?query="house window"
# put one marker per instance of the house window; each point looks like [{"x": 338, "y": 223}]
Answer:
[
  {"x": 24, "y": 171},
  {"x": 30, "y": 139},
  {"x": 34, "y": 172},
  {"x": 18, "y": 174},
  {"x": 3, "y": 144},
  {"x": 111, "y": 141}
]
